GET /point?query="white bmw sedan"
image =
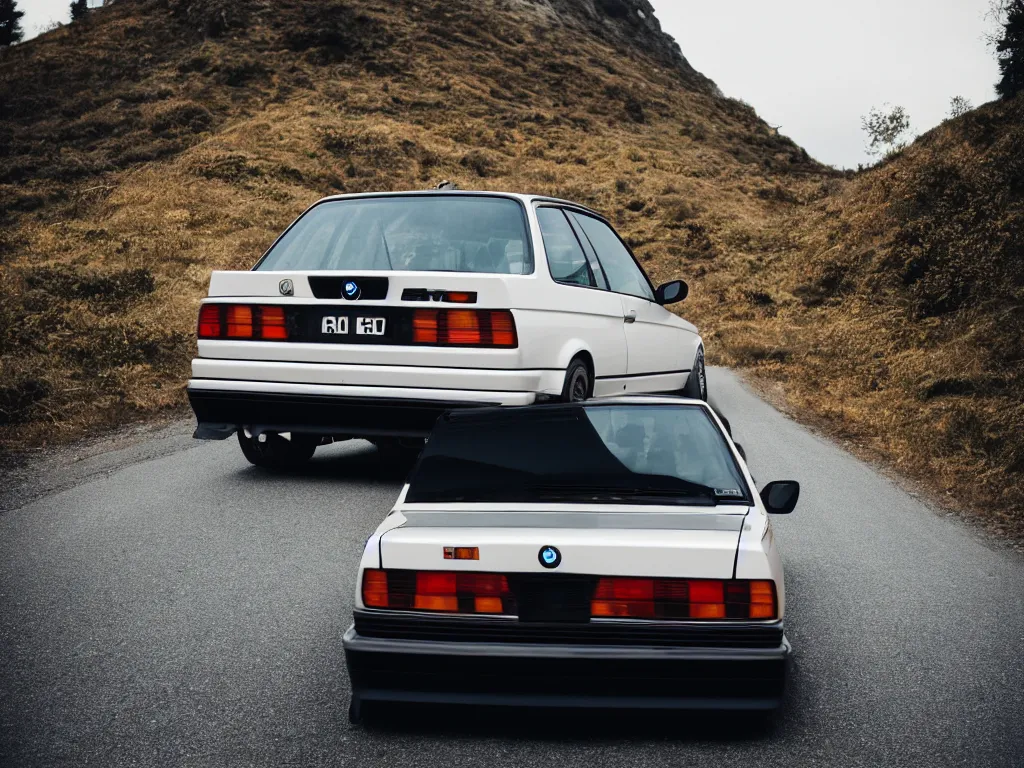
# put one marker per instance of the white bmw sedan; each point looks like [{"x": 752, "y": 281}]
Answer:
[
  {"x": 373, "y": 314},
  {"x": 609, "y": 553}
]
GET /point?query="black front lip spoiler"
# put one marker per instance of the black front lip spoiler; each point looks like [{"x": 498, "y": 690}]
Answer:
[
  {"x": 509, "y": 674},
  {"x": 221, "y": 413}
]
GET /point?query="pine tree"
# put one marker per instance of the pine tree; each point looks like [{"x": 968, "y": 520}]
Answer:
[
  {"x": 10, "y": 23},
  {"x": 1010, "y": 48},
  {"x": 79, "y": 9}
]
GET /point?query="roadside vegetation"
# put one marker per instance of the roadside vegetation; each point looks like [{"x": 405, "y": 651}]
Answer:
[{"x": 166, "y": 138}]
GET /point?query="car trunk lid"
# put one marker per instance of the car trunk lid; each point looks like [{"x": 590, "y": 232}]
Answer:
[{"x": 662, "y": 544}]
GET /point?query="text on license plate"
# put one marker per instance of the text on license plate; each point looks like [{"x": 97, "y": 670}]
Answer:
[{"x": 364, "y": 326}]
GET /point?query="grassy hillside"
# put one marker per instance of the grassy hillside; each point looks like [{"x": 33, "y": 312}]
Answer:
[
  {"x": 166, "y": 138},
  {"x": 899, "y": 313},
  {"x": 162, "y": 140}
]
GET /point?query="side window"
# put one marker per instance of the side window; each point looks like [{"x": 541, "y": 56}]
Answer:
[
  {"x": 565, "y": 257},
  {"x": 624, "y": 276},
  {"x": 595, "y": 265}
]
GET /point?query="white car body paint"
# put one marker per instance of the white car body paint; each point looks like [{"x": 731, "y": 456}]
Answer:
[
  {"x": 555, "y": 322},
  {"x": 648, "y": 540}
]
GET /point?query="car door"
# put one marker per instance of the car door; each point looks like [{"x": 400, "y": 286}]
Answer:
[
  {"x": 660, "y": 350},
  {"x": 584, "y": 312}
]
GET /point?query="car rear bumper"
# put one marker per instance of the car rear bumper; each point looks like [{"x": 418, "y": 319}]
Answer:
[
  {"x": 221, "y": 407},
  {"x": 565, "y": 675},
  {"x": 416, "y": 381}
]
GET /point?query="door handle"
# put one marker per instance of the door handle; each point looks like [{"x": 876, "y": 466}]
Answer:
[{"x": 630, "y": 317}]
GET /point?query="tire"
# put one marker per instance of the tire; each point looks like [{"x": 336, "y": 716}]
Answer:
[
  {"x": 697, "y": 382},
  {"x": 276, "y": 452},
  {"x": 578, "y": 385}
]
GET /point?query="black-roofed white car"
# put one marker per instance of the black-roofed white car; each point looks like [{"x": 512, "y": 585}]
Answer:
[
  {"x": 606, "y": 553},
  {"x": 373, "y": 314}
]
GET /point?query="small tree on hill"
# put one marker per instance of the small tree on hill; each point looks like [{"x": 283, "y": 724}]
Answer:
[
  {"x": 887, "y": 130},
  {"x": 959, "y": 106},
  {"x": 79, "y": 9},
  {"x": 10, "y": 23},
  {"x": 1010, "y": 48}
]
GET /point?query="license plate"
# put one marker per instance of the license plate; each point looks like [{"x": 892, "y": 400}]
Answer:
[{"x": 370, "y": 326}]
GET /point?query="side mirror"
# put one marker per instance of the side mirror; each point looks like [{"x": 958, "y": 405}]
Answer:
[
  {"x": 740, "y": 451},
  {"x": 781, "y": 496},
  {"x": 672, "y": 292}
]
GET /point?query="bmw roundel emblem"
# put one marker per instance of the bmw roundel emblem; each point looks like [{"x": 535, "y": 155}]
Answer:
[
  {"x": 550, "y": 557},
  {"x": 351, "y": 289}
]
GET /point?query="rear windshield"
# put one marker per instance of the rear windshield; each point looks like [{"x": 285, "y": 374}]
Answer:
[
  {"x": 628, "y": 454},
  {"x": 430, "y": 233}
]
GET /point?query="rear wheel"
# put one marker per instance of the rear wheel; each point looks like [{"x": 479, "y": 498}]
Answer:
[
  {"x": 276, "y": 452},
  {"x": 578, "y": 384},
  {"x": 697, "y": 382}
]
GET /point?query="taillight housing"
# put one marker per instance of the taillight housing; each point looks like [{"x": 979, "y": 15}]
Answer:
[
  {"x": 438, "y": 591},
  {"x": 613, "y": 597},
  {"x": 689, "y": 599},
  {"x": 242, "y": 322},
  {"x": 465, "y": 328}
]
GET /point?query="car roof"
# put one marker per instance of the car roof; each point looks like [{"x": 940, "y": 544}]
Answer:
[{"x": 522, "y": 197}]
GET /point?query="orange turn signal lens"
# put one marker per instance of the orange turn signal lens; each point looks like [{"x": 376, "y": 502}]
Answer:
[
  {"x": 239, "y": 322},
  {"x": 424, "y": 326},
  {"x": 375, "y": 588},
  {"x": 461, "y": 553},
  {"x": 446, "y": 603},
  {"x": 273, "y": 326}
]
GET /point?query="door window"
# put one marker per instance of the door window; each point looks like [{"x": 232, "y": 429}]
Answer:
[
  {"x": 566, "y": 259},
  {"x": 595, "y": 265},
  {"x": 624, "y": 275}
]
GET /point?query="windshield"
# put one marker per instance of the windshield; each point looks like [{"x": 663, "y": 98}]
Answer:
[
  {"x": 625, "y": 454},
  {"x": 449, "y": 233}
]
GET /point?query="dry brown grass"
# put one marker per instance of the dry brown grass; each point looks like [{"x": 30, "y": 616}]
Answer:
[
  {"x": 141, "y": 152},
  {"x": 121, "y": 193},
  {"x": 897, "y": 312}
]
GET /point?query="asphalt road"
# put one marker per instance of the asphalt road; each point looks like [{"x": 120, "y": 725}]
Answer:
[{"x": 166, "y": 604}]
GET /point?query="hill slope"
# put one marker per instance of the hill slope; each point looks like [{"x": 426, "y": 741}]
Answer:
[
  {"x": 161, "y": 140},
  {"x": 899, "y": 315},
  {"x": 166, "y": 138}
]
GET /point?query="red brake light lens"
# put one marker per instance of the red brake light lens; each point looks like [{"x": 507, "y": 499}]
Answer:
[
  {"x": 210, "y": 324},
  {"x": 239, "y": 322},
  {"x": 273, "y": 326}
]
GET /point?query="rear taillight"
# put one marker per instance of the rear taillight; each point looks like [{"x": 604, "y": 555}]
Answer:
[
  {"x": 242, "y": 321},
  {"x": 614, "y": 597},
  {"x": 684, "y": 599},
  {"x": 464, "y": 327},
  {"x": 210, "y": 324},
  {"x": 439, "y": 591}
]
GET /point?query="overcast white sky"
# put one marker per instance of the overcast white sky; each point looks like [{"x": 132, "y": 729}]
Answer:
[{"x": 813, "y": 67}]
